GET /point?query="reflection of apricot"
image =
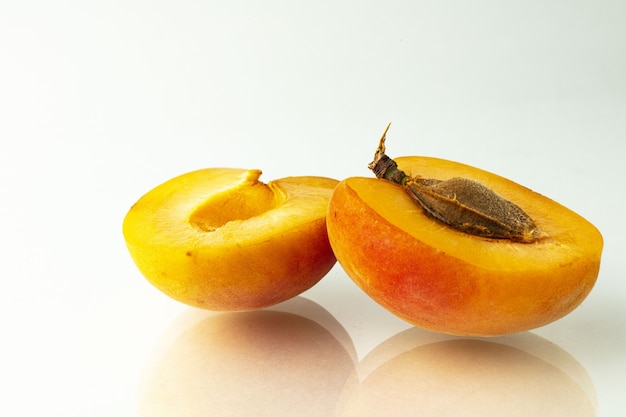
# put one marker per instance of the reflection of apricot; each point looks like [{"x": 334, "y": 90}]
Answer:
[
  {"x": 521, "y": 375},
  {"x": 262, "y": 363}
]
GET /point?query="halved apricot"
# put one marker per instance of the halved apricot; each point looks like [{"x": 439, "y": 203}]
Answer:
[
  {"x": 220, "y": 239},
  {"x": 445, "y": 280}
]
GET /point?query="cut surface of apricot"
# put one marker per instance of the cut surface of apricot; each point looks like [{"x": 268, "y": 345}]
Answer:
[
  {"x": 445, "y": 280},
  {"x": 221, "y": 239}
]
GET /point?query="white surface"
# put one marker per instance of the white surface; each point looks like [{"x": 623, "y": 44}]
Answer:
[{"x": 101, "y": 101}]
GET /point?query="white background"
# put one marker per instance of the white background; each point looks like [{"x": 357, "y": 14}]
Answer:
[{"x": 102, "y": 100}]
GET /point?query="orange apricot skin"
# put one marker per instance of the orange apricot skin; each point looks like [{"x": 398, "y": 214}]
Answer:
[{"x": 433, "y": 289}]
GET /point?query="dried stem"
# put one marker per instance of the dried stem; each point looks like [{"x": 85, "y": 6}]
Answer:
[
  {"x": 385, "y": 167},
  {"x": 380, "y": 151}
]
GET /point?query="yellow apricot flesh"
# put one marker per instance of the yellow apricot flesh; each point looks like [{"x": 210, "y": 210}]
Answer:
[
  {"x": 220, "y": 239},
  {"x": 448, "y": 281}
]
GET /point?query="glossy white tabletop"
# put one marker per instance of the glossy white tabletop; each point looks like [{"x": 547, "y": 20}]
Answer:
[{"x": 101, "y": 101}]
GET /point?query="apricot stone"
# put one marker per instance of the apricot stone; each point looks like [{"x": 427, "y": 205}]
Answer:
[
  {"x": 448, "y": 281},
  {"x": 220, "y": 239}
]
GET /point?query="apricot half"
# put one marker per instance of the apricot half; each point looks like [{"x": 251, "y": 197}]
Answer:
[
  {"x": 448, "y": 281},
  {"x": 220, "y": 239}
]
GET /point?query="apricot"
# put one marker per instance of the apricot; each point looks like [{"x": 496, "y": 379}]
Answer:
[
  {"x": 442, "y": 279},
  {"x": 220, "y": 239}
]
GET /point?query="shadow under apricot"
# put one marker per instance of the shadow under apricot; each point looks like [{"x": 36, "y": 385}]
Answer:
[
  {"x": 420, "y": 373},
  {"x": 289, "y": 360}
]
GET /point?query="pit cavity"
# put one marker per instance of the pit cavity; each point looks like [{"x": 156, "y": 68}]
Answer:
[{"x": 241, "y": 203}]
